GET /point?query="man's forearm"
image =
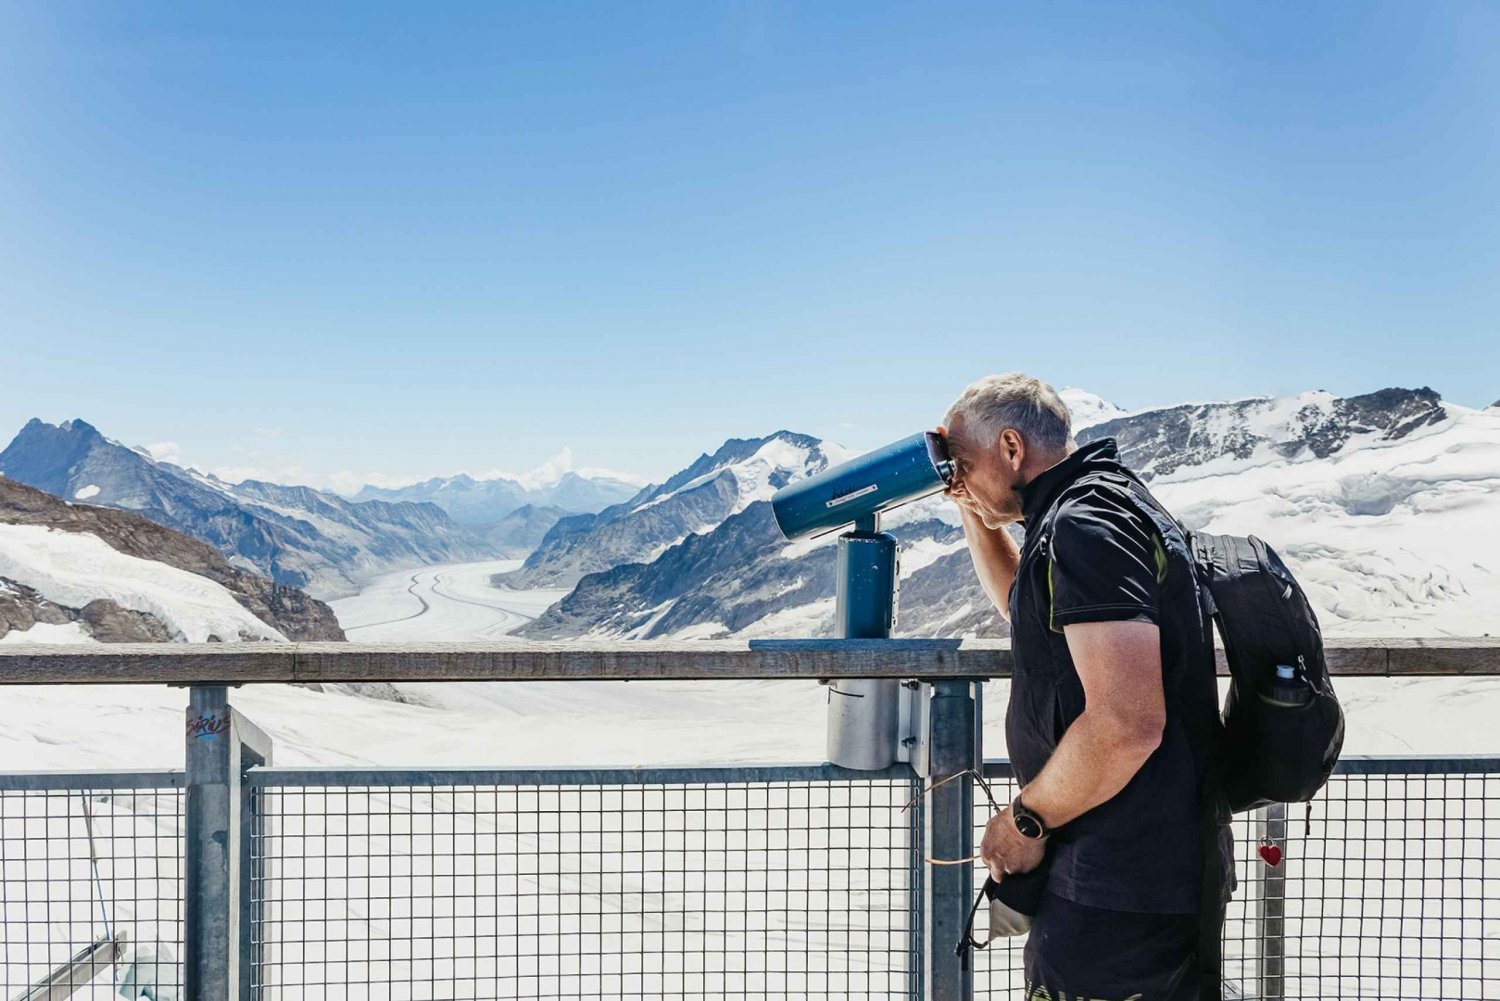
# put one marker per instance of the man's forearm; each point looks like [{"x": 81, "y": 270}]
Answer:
[
  {"x": 995, "y": 556},
  {"x": 1092, "y": 762}
]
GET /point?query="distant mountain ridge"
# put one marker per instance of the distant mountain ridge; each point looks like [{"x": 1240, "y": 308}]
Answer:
[
  {"x": 1160, "y": 442},
  {"x": 697, "y": 499},
  {"x": 294, "y": 535},
  {"x": 1218, "y": 465},
  {"x": 519, "y": 533},
  {"x": 485, "y": 502}
]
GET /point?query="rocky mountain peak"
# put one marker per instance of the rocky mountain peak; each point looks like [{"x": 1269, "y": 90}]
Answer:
[
  {"x": 37, "y": 429},
  {"x": 732, "y": 451},
  {"x": 1160, "y": 442},
  {"x": 294, "y": 535},
  {"x": 696, "y": 499}
]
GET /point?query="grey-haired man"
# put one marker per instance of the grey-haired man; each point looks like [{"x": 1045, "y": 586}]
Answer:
[{"x": 1113, "y": 702}]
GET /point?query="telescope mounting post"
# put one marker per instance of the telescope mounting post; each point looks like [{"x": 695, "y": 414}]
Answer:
[{"x": 863, "y": 713}]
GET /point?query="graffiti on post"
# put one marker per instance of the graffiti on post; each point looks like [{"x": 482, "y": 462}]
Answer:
[{"x": 207, "y": 726}]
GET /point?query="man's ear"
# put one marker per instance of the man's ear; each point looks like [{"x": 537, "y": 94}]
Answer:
[{"x": 1012, "y": 447}]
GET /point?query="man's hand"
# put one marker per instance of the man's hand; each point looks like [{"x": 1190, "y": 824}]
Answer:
[
  {"x": 955, "y": 490},
  {"x": 994, "y": 553},
  {"x": 1004, "y": 849},
  {"x": 961, "y": 497}
]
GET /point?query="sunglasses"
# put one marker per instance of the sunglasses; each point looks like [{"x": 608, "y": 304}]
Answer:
[
  {"x": 991, "y": 885},
  {"x": 989, "y": 793}
]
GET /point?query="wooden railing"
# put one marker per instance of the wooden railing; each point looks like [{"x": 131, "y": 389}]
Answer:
[{"x": 637, "y": 660}]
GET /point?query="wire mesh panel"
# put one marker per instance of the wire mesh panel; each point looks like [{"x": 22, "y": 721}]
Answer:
[
  {"x": 1393, "y": 888},
  {"x": 91, "y": 878},
  {"x": 668, "y": 883},
  {"x": 1390, "y": 890}
]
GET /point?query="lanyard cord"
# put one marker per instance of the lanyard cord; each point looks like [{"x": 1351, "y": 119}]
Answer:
[{"x": 88, "y": 823}]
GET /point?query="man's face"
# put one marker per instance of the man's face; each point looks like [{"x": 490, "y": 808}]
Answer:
[{"x": 986, "y": 473}]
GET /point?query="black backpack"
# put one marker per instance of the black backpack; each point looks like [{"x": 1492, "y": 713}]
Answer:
[
  {"x": 1270, "y": 752},
  {"x": 1267, "y": 752}
]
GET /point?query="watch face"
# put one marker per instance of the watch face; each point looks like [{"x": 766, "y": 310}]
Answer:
[{"x": 1028, "y": 826}]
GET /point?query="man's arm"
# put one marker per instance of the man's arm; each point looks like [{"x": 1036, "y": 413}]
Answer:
[
  {"x": 1102, "y": 582},
  {"x": 1119, "y": 663},
  {"x": 995, "y": 555}
]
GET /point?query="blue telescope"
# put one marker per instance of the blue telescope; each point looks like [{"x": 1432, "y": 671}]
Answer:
[
  {"x": 864, "y": 715},
  {"x": 858, "y": 490}
]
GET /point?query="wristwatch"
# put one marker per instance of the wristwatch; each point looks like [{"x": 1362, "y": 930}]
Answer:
[{"x": 1028, "y": 823}]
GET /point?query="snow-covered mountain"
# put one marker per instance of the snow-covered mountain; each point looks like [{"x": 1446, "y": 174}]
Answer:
[
  {"x": 1381, "y": 503},
  {"x": 1261, "y": 429},
  {"x": 519, "y": 533},
  {"x": 698, "y": 499},
  {"x": 75, "y": 572},
  {"x": 485, "y": 502},
  {"x": 295, "y": 535},
  {"x": 1088, "y": 408}
]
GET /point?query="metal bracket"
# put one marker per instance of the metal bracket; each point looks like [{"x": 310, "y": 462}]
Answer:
[{"x": 914, "y": 725}]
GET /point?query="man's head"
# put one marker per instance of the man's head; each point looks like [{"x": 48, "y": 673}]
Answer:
[{"x": 1002, "y": 431}]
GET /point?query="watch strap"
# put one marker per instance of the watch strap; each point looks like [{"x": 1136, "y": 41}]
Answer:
[{"x": 1019, "y": 809}]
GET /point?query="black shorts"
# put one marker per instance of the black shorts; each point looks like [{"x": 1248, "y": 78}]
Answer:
[{"x": 1073, "y": 950}]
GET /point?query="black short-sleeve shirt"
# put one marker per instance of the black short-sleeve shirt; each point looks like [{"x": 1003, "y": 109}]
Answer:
[
  {"x": 1106, "y": 562},
  {"x": 1104, "y": 557}
]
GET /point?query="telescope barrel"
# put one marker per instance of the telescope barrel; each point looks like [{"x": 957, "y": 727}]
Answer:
[{"x": 877, "y": 481}]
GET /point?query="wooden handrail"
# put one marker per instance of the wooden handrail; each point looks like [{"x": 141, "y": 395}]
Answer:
[{"x": 633, "y": 660}]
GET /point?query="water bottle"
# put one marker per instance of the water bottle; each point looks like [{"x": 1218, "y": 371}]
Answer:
[{"x": 1286, "y": 689}]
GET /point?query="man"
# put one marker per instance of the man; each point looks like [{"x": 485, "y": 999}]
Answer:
[{"x": 1113, "y": 703}]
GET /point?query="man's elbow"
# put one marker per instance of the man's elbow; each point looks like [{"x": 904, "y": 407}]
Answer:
[
  {"x": 1136, "y": 737},
  {"x": 1147, "y": 737}
]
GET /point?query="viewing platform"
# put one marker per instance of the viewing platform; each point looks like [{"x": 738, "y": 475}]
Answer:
[{"x": 233, "y": 878}]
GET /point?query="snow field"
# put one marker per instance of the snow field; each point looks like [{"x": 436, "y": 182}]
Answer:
[
  {"x": 1389, "y": 538},
  {"x": 74, "y": 568},
  {"x": 446, "y": 602}
]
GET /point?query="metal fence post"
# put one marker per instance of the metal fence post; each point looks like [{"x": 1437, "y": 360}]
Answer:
[
  {"x": 221, "y": 744},
  {"x": 948, "y": 823},
  {"x": 1273, "y": 909},
  {"x": 916, "y": 931}
]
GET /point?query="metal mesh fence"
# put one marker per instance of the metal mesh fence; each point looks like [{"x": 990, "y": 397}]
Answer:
[
  {"x": 91, "y": 877},
  {"x": 669, "y": 883},
  {"x": 1390, "y": 890},
  {"x": 777, "y": 882}
]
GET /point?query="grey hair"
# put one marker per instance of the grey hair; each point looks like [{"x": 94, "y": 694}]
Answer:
[{"x": 1015, "y": 400}]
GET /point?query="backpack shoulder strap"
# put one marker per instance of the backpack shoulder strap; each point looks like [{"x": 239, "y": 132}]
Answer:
[
  {"x": 1159, "y": 519},
  {"x": 1044, "y": 530}
]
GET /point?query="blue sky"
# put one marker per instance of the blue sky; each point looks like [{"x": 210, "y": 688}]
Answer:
[{"x": 333, "y": 242}]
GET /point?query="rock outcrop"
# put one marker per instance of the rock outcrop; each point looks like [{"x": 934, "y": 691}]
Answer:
[{"x": 293, "y": 613}]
